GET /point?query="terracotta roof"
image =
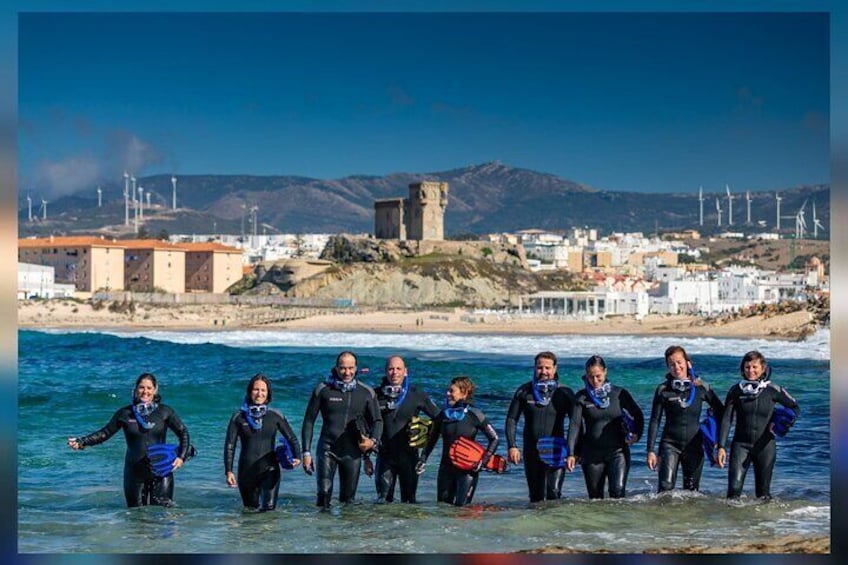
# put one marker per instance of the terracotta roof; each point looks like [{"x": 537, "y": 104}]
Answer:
[
  {"x": 71, "y": 241},
  {"x": 209, "y": 246},
  {"x": 149, "y": 244}
]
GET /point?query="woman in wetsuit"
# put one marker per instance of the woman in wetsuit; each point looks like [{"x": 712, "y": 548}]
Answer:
[
  {"x": 679, "y": 398},
  {"x": 458, "y": 418},
  {"x": 399, "y": 402},
  {"x": 343, "y": 403},
  {"x": 751, "y": 403},
  {"x": 145, "y": 422},
  {"x": 256, "y": 426},
  {"x": 545, "y": 404},
  {"x": 599, "y": 415}
]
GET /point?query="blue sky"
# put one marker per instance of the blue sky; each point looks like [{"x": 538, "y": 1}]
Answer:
[{"x": 654, "y": 102}]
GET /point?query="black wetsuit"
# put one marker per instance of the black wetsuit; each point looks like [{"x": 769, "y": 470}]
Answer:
[
  {"x": 681, "y": 443},
  {"x": 396, "y": 458},
  {"x": 752, "y": 440},
  {"x": 141, "y": 486},
  {"x": 454, "y": 485},
  {"x": 605, "y": 455},
  {"x": 540, "y": 420},
  {"x": 338, "y": 445},
  {"x": 258, "y": 470}
]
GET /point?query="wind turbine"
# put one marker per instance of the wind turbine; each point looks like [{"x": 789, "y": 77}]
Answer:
[
  {"x": 174, "y": 193},
  {"x": 99, "y": 197},
  {"x": 729, "y": 206},
  {"x": 701, "y": 203},
  {"x": 816, "y": 222},
  {"x": 140, "y": 203},
  {"x": 778, "y": 198},
  {"x": 748, "y": 202},
  {"x": 148, "y": 198},
  {"x": 29, "y": 208},
  {"x": 800, "y": 222},
  {"x": 253, "y": 210},
  {"x": 718, "y": 210},
  {"x": 126, "y": 198},
  {"x": 43, "y": 208}
]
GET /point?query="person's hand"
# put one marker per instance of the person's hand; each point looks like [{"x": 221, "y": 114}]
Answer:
[
  {"x": 75, "y": 444},
  {"x": 570, "y": 461},
  {"x": 369, "y": 466},
  {"x": 177, "y": 464},
  {"x": 482, "y": 463},
  {"x": 652, "y": 461},
  {"x": 514, "y": 455},
  {"x": 307, "y": 464},
  {"x": 295, "y": 462},
  {"x": 419, "y": 467},
  {"x": 721, "y": 457},
  {"x": 231, "y": 479},
  {"x": 366, "y": 444}
]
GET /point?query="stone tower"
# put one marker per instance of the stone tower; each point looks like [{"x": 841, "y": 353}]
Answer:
[
  {"x": 389, "y": 220},
  {"x": 425, "y": 214}
]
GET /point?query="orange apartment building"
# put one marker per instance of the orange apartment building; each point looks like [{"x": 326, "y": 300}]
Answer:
[
  {"x": 211, "y": 266},
  {"x": 89, "y": 263},
  {"x": 153, "y": 264}
]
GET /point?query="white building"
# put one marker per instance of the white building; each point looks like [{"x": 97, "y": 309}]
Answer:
[
  {"x": 585, "y": 305},
  {"x": 39, "y": 281}
]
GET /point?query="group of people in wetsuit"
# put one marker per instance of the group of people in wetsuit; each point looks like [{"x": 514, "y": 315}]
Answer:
[{"x": 604, "y": 421}]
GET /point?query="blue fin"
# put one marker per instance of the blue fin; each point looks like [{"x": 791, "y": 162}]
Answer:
[
  {"x": 553, "y": 451},
  {"x": 161, "y": 457},
  {"x": 782, "y": 419},
  {"x": 628, "y": 424},
  {"x": 709, "y": 435},
  {"x": 284, "y": 454}
]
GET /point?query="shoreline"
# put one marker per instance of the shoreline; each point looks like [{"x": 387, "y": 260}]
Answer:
[
  {"x": 790, "y": 544},
  {"x": 69, "y": 314}
]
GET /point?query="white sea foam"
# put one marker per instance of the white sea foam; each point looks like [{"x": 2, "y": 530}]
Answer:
[{"x": 816, "y": 347}]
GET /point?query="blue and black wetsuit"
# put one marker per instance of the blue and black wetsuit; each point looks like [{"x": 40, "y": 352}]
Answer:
[
  {"x": 681, "y": 443},
  {"x": 396, "y": 459},
  {"x": 258, "y": 470},
  {"x": 141, "y": 486},
  {"x": 454, "y": 485},
  {"x": 752, "y": 440},
  {"x": 542, "y": 417},
  {"x": 338, "y": 444},
  {"x": 605, "y": 455}
]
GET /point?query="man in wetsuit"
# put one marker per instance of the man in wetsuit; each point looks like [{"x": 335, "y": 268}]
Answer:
[
  {"x": 342, "y": 401},
  {"x": 399, "y": 402},
  {"x": 545, "y": 406}
]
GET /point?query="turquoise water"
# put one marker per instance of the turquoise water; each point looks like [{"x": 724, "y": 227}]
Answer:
[{"x": 70, "y": 383}]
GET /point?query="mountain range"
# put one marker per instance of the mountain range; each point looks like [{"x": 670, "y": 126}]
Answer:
[{"x": 484, "y": 198}]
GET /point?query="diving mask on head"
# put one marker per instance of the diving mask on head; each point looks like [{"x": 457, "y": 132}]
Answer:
[
  {"x": 600, "y": 395},
  {"x": 544, "y": 390}
]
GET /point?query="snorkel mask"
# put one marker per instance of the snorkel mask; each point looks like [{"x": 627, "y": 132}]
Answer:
[
  {"x": 600, "y": 395},
  {"x": 754, "y": 388},
  {"x": 457, "y": 411},
  {"x": 395, "y": 393},
  {"x": 683, "y": 386},
  {"x": 142, "y": 411},
  {"x": 254, "y": 414},
  {"x": 334, "y": 381},
  {"x": 543, "y": 391}
]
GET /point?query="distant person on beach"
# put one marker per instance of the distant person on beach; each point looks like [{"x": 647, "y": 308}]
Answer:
[
  {"x": 752, "y": 403},
  {"x": 679, "y": 398},
  {"x": 145, "y": 422},
  {"x": 256, "y": 426},
  {"x": 458, "y": 418},
  {"x": 610, "y": 422},
  {"x": 399, "y": 401},
  {"x": 351, "y": 427},
  {"x": 545, "y": 404}
]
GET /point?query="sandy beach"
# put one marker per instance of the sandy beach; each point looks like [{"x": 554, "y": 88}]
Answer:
[{"x": 59, "y": 313}]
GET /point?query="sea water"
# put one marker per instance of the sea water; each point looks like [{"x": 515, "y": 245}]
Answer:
[{"x": 71, "y": 382}]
